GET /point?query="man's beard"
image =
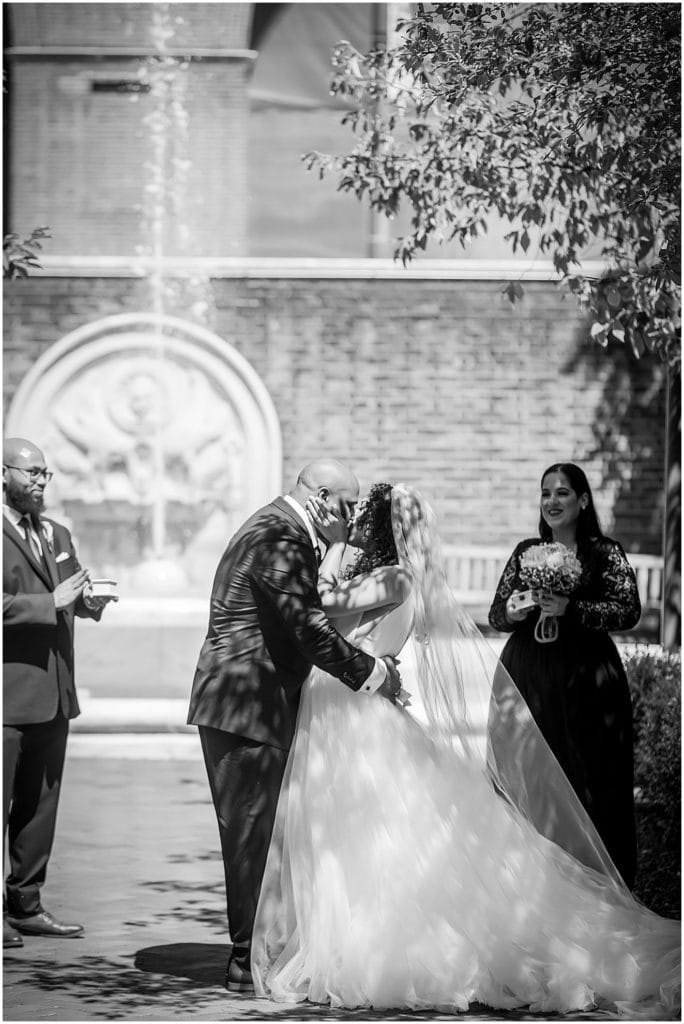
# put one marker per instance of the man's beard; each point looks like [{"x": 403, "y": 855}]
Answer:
[{"x": 22, "y": 500}]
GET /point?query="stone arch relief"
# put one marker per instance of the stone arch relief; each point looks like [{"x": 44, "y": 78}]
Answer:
[{"x": 162, "y": 439}]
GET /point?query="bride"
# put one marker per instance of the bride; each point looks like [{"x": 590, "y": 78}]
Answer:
[{"x": 416, "y": 863}]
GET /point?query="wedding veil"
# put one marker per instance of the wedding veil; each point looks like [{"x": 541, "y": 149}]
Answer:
[{"x": 471, "y": 701}]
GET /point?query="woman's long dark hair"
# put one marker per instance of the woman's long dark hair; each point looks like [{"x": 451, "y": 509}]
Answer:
[
  {"x": 376, "y": 525},
  {"x": 588, "y": 526}
]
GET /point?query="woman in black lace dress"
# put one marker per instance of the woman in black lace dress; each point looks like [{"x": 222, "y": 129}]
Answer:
[{"x": 576, "y": 686}]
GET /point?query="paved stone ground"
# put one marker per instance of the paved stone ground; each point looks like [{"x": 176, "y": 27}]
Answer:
[{"x": 136, "y": 861}]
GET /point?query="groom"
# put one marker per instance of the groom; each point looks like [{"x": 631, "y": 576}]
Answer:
[{"x": 266, "y": 630}]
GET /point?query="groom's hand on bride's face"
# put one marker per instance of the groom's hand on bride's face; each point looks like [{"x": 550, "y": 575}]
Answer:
[{"x": 327, "y": 522}]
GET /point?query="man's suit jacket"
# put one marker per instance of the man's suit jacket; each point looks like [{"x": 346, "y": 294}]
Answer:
[
  {"x": 38, "y": 640},
  {"x": 266, "y": 629}
]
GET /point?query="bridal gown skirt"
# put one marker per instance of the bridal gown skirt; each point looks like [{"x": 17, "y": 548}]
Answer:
[{"x": 397, "y": 877}]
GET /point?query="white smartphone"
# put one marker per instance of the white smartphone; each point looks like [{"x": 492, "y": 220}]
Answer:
[{"x": 522, "y": 601}]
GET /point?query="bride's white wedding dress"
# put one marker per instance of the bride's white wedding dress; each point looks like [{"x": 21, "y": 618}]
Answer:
[{"x": 398, "y": 876}]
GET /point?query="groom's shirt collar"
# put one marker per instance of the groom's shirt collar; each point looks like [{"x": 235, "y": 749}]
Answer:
[{"x": 305, "y": 518}]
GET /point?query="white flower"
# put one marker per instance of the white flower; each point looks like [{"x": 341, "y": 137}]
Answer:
[
  {"x": 534, "y": 556},
  {"x": 551, "y": 567}
]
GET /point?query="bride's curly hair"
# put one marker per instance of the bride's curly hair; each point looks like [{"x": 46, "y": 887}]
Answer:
[{"x": 375, "y": 522}]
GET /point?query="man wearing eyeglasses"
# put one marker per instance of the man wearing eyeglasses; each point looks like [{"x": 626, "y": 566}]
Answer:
[{"x": 44, "y": 587}]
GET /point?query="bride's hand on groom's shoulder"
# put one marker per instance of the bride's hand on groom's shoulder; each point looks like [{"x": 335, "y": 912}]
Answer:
[{"x": 327, "y": 522}]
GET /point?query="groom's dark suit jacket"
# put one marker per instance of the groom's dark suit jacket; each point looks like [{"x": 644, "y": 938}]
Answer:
[{"x": 266, "y": 629}]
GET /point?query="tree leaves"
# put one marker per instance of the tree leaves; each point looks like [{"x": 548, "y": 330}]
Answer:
[
  {"x": 565, "y": 117},
  {"x": 21, "y": 255},
  {"x": 513, "y": 291}
]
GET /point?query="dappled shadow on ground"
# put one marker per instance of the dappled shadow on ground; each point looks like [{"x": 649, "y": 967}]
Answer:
[
  {"x": 185, "y": 980},
  {"x": 194, "y": 902},
  {"x": 109, "y": 989}
]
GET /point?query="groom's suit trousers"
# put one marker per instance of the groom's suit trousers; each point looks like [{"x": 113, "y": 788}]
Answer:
[{"x": 245, "y": 778}]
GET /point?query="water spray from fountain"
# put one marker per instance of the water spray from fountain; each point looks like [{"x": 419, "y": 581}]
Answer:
[{"x": 166, "y": 236}]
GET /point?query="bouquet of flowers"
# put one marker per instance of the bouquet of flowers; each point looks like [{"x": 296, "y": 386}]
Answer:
[{"x": 554, "y": 568}]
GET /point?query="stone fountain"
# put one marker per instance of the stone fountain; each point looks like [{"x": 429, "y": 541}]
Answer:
[{"x": 161, "y": 436}]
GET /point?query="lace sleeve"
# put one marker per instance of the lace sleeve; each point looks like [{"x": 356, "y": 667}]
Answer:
[
  {"x": 617, "y": 604},
  {"x": 507, "y": 584}
]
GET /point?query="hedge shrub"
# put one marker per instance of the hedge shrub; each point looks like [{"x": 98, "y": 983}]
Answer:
[{"x": 654, "y": 679}]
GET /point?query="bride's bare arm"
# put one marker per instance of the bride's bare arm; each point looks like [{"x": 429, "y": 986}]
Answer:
[{"x": 384, "y": 587}]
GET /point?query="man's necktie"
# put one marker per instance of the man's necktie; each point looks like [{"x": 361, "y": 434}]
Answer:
[{"x": 31, "y": 536}]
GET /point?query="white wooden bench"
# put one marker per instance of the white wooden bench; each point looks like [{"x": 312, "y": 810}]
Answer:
[{"x": 474, "y": 571}]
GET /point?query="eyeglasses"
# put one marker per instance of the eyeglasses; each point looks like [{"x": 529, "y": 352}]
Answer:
[{"x": 33, "y": 474}]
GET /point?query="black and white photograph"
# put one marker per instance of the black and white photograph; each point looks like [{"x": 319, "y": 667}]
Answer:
[{"x": 342, "y": 511}]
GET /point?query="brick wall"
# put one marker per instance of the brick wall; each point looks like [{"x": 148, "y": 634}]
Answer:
[
  {"x": 92, "y": 135},
  {"x": 440, "y": 384},
  {"x": 118, "y": 24},
  {"x": 81, "y": 160}
]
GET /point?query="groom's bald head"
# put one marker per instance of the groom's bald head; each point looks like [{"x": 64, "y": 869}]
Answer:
[
  {"x": 328, "y": 473},
  {"x": 331, "y": 481}
]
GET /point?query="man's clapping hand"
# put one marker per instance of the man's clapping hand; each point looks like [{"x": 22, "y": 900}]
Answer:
[{"x": 70, "y": 589}]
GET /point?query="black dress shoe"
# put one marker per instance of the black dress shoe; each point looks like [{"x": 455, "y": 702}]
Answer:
[
  {"x": 44, "y": 923},
  {"x": 10, "y": 938},
  {"x": 238, "y": 979}
]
